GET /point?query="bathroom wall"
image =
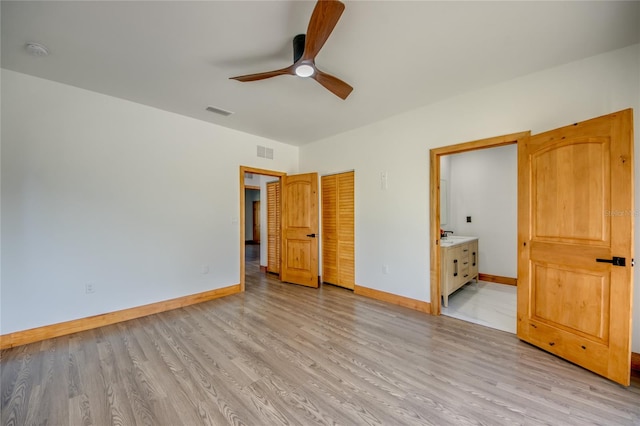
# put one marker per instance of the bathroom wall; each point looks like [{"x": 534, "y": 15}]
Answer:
[{"x": 483, "y": 185}]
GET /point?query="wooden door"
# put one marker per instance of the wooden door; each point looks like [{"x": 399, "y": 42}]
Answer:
[
  {"x": 575, "y": 195},
  {"x": 273, "y": 227},
  {"x": 338, "y": 257},
  {"x": 256, "y": 221},
  {"x": 299, "y": 221}
]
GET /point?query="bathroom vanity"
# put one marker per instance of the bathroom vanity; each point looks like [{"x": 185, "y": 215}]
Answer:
[{"x": 459, "y": 257}]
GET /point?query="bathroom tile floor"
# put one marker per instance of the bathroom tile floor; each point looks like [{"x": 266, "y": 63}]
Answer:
[{"x": 489, "y": 304}]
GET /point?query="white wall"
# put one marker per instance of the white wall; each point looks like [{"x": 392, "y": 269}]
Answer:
[
  {"x": 484, "y": 185},
  {"x": 129, "y": 198},
  {"x": 392, "y": 226}
]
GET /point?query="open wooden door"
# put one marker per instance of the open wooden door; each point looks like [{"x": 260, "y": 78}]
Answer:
[
  {"x": 575, "y": 235},
  {"x": 299, "y": 222}
]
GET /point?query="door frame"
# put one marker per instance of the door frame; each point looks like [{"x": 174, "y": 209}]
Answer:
[
  {"x": 243, "y": 170},
  {"x": 434, "y": 202}
]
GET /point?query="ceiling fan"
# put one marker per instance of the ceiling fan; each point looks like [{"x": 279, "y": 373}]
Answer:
[{"x": 324, "y": 18}]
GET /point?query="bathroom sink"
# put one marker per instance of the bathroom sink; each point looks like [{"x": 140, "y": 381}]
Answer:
[{"x": 453, "y": 240}]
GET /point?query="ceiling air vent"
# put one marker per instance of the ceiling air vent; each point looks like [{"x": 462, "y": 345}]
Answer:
[
  {"x": 264, "y": 152},
  {"x": 219, "y": 111}
]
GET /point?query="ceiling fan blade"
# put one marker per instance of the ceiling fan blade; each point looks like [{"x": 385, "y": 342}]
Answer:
[
  {"x": 324, "y": 18},
  {"x": 333, "y": 84},
  {"x": 263, "y": 75}
]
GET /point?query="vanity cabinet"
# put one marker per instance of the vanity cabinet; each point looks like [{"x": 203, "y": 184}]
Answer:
[{"x": 459, "y": 265}]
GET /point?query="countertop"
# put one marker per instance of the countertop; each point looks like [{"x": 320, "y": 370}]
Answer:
[{"x": 454, "y": 240}]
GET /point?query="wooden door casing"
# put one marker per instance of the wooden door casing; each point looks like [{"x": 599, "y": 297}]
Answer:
[
  {"x": 299, "y": 221},
  {"x": 575, "y": 195}
]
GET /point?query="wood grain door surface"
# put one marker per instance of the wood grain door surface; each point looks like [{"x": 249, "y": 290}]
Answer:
[
  {"x": 338, "y": 224},
  {"x": 273, "y": 227},
  {"x": 576, "y": 206},
  {"x": 299, "y": 221}
]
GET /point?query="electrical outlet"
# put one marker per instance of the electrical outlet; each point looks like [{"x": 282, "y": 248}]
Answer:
[
  {"x": 89, "y": 288},
  {"x": 385, "y": 269},
  {"x": 205, "y": 269}
]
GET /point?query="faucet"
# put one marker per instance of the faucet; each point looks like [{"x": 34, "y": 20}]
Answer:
[{"x": 443, "y": 234}]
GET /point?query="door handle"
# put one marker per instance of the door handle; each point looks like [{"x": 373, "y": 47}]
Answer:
[
  {"x": 616, "y": 261},
  {"x": 311, "y": 235}
]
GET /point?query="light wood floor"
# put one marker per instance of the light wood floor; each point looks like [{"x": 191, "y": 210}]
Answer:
[{"x": 283, "y": 354}]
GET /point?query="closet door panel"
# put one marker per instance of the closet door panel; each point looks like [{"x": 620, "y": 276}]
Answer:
[
  {"x": 329, "y": 230},
  {"x": 346, "y": 227},
  {"x": 273, "y": 227},
  {"x": 338, "y": 248}
]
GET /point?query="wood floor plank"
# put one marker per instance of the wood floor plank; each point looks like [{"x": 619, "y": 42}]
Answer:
[
  {"x": 22, "y": 390},
  {"x": 281, "y": 354}
]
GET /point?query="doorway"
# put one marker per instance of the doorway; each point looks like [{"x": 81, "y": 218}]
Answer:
[
  {"x": 243, "y": 214},
  {"x": 435, "y": 202},
  {"x": 302, "y": 194},
  {"x": 252, "y": 204},
  {"x": 479, "y": 205},
  {"x": 574, "y": 284},
  {"x": 299, "y": 226}
]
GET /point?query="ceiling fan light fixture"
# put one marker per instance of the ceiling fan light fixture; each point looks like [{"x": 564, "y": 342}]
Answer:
[{"x": 305, "y": 70}]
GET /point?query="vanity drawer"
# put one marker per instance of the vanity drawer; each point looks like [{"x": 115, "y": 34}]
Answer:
[
  {"x": 465, "y": 274},
  {"x": 459, "y": 265}
]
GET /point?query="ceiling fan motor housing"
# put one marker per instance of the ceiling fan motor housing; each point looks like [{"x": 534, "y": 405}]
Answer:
[{"x": 298, "y": 47}]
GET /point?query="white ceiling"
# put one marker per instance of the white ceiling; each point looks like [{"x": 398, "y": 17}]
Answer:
[{"x": 178, "y": 55}]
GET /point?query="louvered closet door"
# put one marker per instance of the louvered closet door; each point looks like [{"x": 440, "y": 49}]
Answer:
[
  {"x": 330, "y": 229},
  {"x": 273, "y": 227},
  {"x": 338, "y": 248}
]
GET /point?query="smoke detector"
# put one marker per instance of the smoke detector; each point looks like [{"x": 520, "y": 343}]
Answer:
[{"x": 36, "y": 49}]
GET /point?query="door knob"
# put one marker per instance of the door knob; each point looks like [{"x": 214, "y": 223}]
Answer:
[{"x": 616, "y": 261}]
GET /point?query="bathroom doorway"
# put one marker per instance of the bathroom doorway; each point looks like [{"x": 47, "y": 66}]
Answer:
[
  {"x": 479, "y": 211},
  {"x": 491, "y": 300}
]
